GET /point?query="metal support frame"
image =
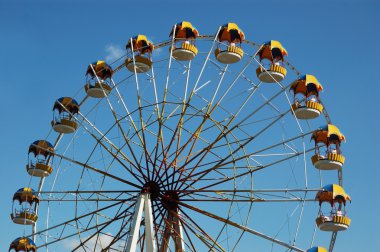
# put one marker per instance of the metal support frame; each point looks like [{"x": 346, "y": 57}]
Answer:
[
  {"x": 175, "y": 230},
  {"x": 332, "y": 242},
  {"x": 143, "y": 204}
]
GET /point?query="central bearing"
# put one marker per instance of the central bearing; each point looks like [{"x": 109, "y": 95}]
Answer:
[{"x": 153, "y": 189}]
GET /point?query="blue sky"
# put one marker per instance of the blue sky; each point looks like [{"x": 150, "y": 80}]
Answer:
[{"x": 45, "y": 48}]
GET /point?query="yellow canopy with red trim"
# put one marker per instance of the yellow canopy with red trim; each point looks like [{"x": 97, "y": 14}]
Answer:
[
  {"x": 101, "y": 68},
  {"x": 66, "y": 103},
  {"x": 231, "y": 32},
  {"x": 307, "y": 85},
  {"x": 327, "y": 134},
  {"x": 26, "y": 194},
  {"x": 41, "y": 147},
  {"x": 141, "y": 44},
  {"x": 184, "y": 30},
  {"x": 272, "y": 50},
  {"x": 23, "y": 244},
  {"x": 332, "y": 193}
]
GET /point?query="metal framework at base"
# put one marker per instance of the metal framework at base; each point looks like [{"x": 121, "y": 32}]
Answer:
[
  {"x": 143, "y": 204},
  {"x": 174, "y": 229}
]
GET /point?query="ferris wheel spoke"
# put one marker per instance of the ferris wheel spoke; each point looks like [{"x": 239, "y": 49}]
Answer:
[
  {"x": 181, "y": 119},
  {"x": 142, "y": 138},
  {"x": 253, "y": 170},
  {"x": 64, "y": 225},
  {"x": 64, "y": 237},
  {"x": 127, "y": 140},
  {"x": 221, "y": 195},
  {"x": 250, "y": 171},
  {"x": 175, "y": 155},
  {"x": 160, "y": 139},
  {"x": 214, "y": 126},
  {"x": 159, "y": 120},
  {"x": 170, "y": 231},
  {"x": 230, "y": 215},
  {"x": 119, "y": 216},
  {"x": 241, "y": 227},
  {"x": 165, "y": 151},
  {"x": 210, "y": 109},
  {"x": 156, "y": 171},
  {"x": 117, "y": 119},
  {"x": 224, "y": 165},
  {"x": 86, "y": 195},
  {"x": 229, "y": 155},
  {"x": 99, "y": 141},
  {"x": 251, "y": 199},
  {"x": 172, "y": 226},
  {"x": 192, "y": 248},
  {"x": 205, "y": 150},
  {"x": 262, "y": 166},
  {"x": 142, "y": 126},
  {"x": 223, "y": 133},
  {"x": 119, "y": 236},
  {"x": 206, "y": 238},
  {"x": 97, "y": 170},
  {"x": 160, "y": 226},
  {"x": 184, "y": 108},
  {"x": 157, "y": 219},
  {"x": 232, "y": 84},
  {"x": 191, "y": 152}
]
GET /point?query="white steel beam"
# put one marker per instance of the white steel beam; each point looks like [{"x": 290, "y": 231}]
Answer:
[
  {"x": 143, "y": 204},
  {"x": 149, "y": 233}
]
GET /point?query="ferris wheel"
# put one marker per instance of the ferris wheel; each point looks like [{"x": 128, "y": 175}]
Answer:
[{"x": 197, "y": 143}]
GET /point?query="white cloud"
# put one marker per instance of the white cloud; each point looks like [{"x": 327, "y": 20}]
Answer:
[
  {"x": 158, "y": 51},
  {"x": 102, "y": 242},
  {"x": 114, "y": 52}
]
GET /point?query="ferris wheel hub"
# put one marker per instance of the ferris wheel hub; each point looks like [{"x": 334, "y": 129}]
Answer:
[
  {"x": 152, "y": 188},
  {"x": 170, "y": 200}
]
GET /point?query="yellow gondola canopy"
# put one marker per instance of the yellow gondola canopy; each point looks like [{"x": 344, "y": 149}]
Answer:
[
  {"x": 66, "y": 103},
  {"x": 328, "y": 134},
  {"x": 184, "y": 30},
  {"x": 23, "y": 244},
  {"x": 101, "y": 68},
  {"x": 231, "y": 32},
  {"x": 272, "y": 50},
  {"x": 306, "y": 85},
  {"x": 332, "y": 193},
  {"x": 317, "y": 249},
  {"x": 41, "y": 147},
  {"x": 140, "y": 44},
  {"x": 26, "y": 194}
]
